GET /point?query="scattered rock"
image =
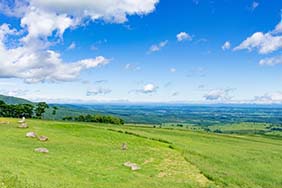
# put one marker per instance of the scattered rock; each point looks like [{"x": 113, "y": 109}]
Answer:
[
  {"x": 30, "y": 135},
  {"x": 23, "y": 125},
  {"x": 128, "y": 164},
  {"x": 22, "y": 120},
  {"x": 124, "y": 146},
  {"x": 133, "y": 166},
  {"x": 43, "y": 138},
  {"x": 41, "y": 150}
]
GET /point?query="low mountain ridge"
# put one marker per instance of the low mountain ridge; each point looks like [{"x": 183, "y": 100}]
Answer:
[{"x": 14, "y": 100}]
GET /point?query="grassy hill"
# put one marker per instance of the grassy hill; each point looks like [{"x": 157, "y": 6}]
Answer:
[
  {"x": 14, "y": 100},
  {"x": 90, "y": 155}
]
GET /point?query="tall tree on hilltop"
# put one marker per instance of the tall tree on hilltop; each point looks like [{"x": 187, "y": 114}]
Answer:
[{"x": 40, "y": 109}]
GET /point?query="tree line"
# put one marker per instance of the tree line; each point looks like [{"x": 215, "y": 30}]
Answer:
[
  {"x": 24, "y": 110},
  {"x": 96, "y": 119},
  {"x": 37, "y": 111}
]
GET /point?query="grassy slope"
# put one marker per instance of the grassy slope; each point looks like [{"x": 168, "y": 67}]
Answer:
[
  {"x": 227, "y": 160},
  {"x": 14, "y": 100},
  {"x": 89, "y": 155}
]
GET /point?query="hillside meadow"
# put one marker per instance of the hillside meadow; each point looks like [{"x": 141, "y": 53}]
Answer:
[{"x": 90, "y": 155}]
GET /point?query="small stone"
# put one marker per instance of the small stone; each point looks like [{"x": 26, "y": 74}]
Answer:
[
  {"x": 41, "y": 150},
  {"x": 133, "y": 166},
  {"x": 22, "y": 120},
  {"x": 127, "y": 164},
  {"x": 30, "y": 135},
  {"x": 43, "y": 138},
  {"x": 23, "y": 125},
  {"x": 124, "y": 146}
]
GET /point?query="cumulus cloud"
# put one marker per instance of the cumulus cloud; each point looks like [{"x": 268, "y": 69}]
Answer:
[
  {"x": 41, "y": 24},
  {"x": 219, "y": 95},
  {"x": 16, "y": 9},
  {"x": 42, "y": 21},
  {"x": 183, "y": 36},
  {"x": 172, "y": 70},
  {"x": 226, "y": 46},
  {"x": 147, "y": 89},
  {"x": 158, "y": 47},
  {"x": 72, "y": 46},
  {"x": 275, "y": 97},
  {"x": 265, "y": 43},
  {"x": 271, "y": 61},
  {"x": 132, "y": 67},
  {"x": 110, "y": 10},
  {"x": 14, "y": 92},
  {"x": 278, "y": 28},
  {"x": 37, "y": 65},
  {"x": 98, "y": 91},
  {"x": 254, "y": 5}
]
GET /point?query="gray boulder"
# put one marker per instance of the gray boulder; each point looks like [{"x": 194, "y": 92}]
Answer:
[
  {"x": 30, "y": 135},
  {"x": 41, "y": 150},
  {"x": 131, "y": 165},
  {"x": 43, "y": 138},
  {"x": 23, "y": 126},
  {"x": 124, "y": 146}
]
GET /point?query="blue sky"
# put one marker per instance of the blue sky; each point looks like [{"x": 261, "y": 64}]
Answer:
[{"x": 195, "y": 51}]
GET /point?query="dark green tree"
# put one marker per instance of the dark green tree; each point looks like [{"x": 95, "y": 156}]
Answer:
[
  {"x": 40, "y": 109},
  {"x": 55, "y": 108}
]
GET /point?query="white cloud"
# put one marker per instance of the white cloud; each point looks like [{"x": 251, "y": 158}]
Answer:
[
  {"x": 219, "y": 95},
  {"x": 271, "y": 61},
  {"x": 278, "y": 28},
  {"x": 149, "y": 88},
  {"x": 108, "y": 10},
  {"x": 268, "y": 98},
  {"x": 40, "y": 20},
  {"x": 38, "y": 65},
  {"x": 254, "y": 5},
  {"x": 264, "y": 42},
  {"x": 98, "y": 91},
  {"x": 72, "y": 46},
  {"x": 158, "y": 47},
  {"x": 41, "y": 24},
  {"x": 172, "y": 70},
  {"x": 183, "y": 36},
  {"x": 226, "y": 45},
  {"x": 14, "y": 92},
  {"x": 132, "y": 67},
  {"x": 146, "y": 89},
  {"x": 16, "y": 9}
]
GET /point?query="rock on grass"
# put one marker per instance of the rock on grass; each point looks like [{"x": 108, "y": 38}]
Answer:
[{"x": 41, "y": 150}]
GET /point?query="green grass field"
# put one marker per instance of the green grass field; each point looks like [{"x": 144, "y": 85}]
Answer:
[{"x": 90, "y": 155}]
